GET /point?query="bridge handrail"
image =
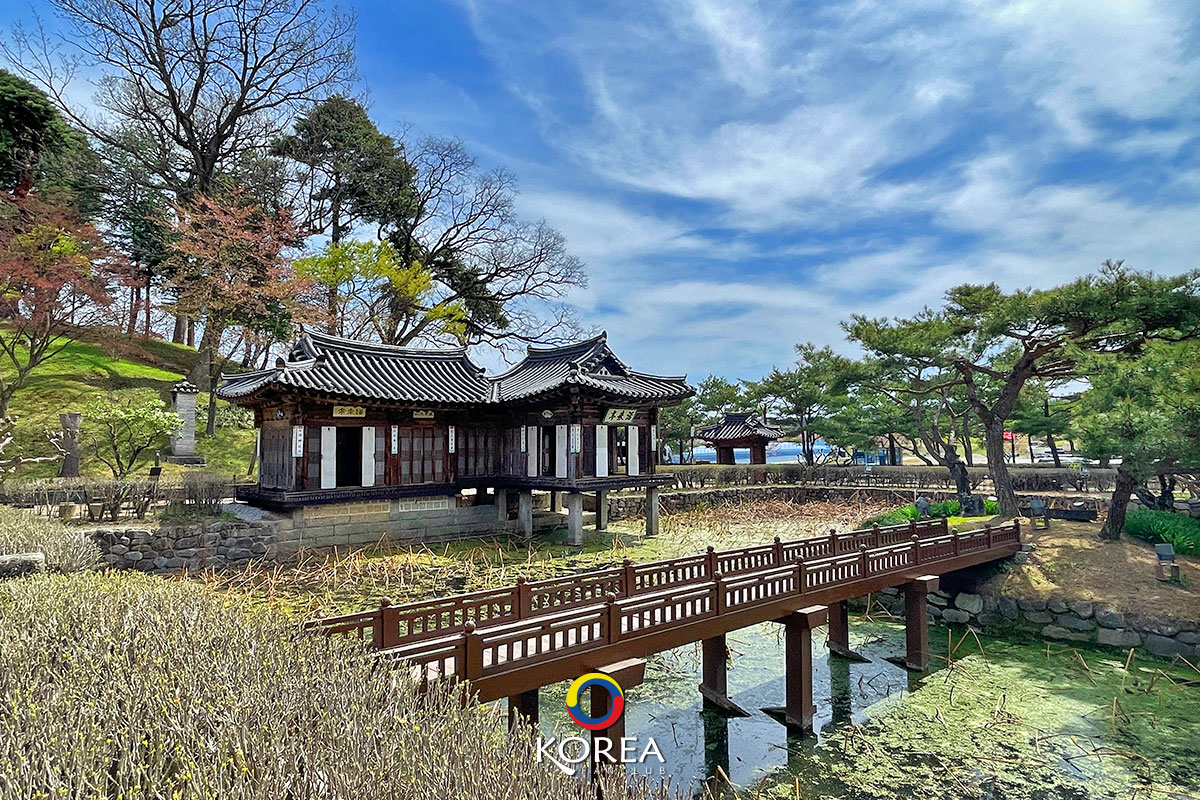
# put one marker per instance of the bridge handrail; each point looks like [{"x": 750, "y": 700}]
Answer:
[
  {"x": 606, "y": 623},
  {"x": 390, "y": 625}
]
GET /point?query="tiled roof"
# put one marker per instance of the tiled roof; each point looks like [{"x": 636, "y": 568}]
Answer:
[
  {"x": 738, "y": 426},
  {"x": 329, "y": 365},
  {"x": 337, "y": 367}
]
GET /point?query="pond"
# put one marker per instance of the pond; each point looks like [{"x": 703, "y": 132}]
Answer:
[{"x": 999, "y": 719}]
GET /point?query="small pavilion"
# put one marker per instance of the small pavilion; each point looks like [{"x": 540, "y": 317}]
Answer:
[{"x": 740, "y": 430}]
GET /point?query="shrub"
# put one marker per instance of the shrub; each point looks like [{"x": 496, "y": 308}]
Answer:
[
  {"x": 946, "y": 508},
  {"x": 123, "y": 685},
  {"x": 66, "y": 550},
  {"x": 1025, "y": 478},
  {"x": 1178, "y": 530}
]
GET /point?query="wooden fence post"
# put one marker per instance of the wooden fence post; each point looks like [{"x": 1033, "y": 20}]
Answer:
[
  {"x": 628, "y": 579},
  {"x": 878, "y": 536},
  {"x": 377, "y": 638},
  {"x": 916, "y": 549},
  {"x": 833, "y": 542},
  {"x": 473, "y": 658},
  {"x": 801, "y": 577},
  {"x": 524, "y": 603},
  {"x": 613, "y": 619},
  {"x": 1017, "y": 529},
  {"x": 955, "y": 538},
  {"x": 862, "y": 562},
  {"x": 778, "y": 551},
  {"x": 912, "y": 527},
  {"x": 719, "y": 583},
  {"x": 710, "y": 562},
  {"x": 987, "y": 535}
]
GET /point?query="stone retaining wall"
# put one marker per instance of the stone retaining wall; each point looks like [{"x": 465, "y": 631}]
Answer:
[
  {"x": 215, "y": 544},
  {"x": 1057, "y": 619},
  {"x": 1189, "y": 507}
]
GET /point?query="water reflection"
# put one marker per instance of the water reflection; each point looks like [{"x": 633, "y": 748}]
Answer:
[{"x": 700, "y": 745}]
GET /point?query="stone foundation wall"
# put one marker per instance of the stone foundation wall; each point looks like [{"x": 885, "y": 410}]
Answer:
[
  {"x": 1189, "y": 507},
  {"x": 413, "y": 520},
  {"x": 1056, "y": 619},
  {"x": 218, "y": 544}
]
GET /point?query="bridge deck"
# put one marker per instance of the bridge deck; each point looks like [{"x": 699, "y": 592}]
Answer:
[{"x": 521, "y": 637}]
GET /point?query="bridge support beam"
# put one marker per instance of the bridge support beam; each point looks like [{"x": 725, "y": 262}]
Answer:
[
  {"x": 601, "y": 510},
  {"x": 797, "y": 633},
  {"x": 652, "y": 511},
  {"x": 714, "y": 685},
  {"x": 575, "y": 519},
  {"x": 523, "y": 709},
  {"x": 628, "y": 674},
  {"x": 525, "y": 514},
  {"x": 916, "y": 621},
  {"x": 839, "y": 631}
]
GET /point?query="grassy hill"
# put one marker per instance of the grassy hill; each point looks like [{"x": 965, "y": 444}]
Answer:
[{"x": 116, "y": 366}]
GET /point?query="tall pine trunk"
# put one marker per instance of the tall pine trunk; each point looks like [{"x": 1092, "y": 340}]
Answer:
[
  {"x": 993, "y": 436},
  {"x": 968, "y": 452},
  {"x": 1118, "y": 505},
  {"x": 135, "y": 304},
  {"x": 1053, "y": 450}
]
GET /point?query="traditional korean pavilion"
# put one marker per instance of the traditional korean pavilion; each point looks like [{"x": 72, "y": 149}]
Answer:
[
  {"x": 739, "y": 430},
  {"x": 351, "y": 423}
]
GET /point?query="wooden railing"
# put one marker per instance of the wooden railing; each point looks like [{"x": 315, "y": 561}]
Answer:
[
  {"x": 395, "y": 625},
  {"x": 498, "y": 633}
]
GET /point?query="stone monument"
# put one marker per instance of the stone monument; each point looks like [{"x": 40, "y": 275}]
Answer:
[{"x": 183, "y": 443}]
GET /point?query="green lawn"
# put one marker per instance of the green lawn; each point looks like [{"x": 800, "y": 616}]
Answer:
[{"x": 117, "y": 367}]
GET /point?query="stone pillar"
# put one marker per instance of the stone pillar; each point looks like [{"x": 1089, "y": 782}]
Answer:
[
  {"x": 916, "y": 621},
  {"x": 68, "y": 443},
  {"x": 183, "y": 443},
  {"x": 525, "y": 513},
  {"x": 601, "y": 510},
  {"x": 575, "y": 519},
  {"x": 799, "y": 709},
  {"x": 523, "y": 708},
  {"x": 502, "y": 506},
  {"x": 652, "y": 511}
]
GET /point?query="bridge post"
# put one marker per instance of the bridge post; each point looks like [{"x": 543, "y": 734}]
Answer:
[
  {"x": 916, "y": 621},
  {"x": 839, "y": 627},
  {"x": 799, "y": 709},
  {"x": 652, "y": 511},
  {"x": 523, "y": 708},
  {"x": 601, "y": 510},
  {"x": 714, "y": 686},
  {"x": 575, "y": 519},
  {"x": 627, "y": 674},
  {"x": 525, "y": 513}
]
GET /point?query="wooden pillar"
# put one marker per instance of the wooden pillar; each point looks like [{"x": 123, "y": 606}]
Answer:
[
  {"x": 916, "y": 621},
  {"x": 575, "y": 519},
  {"x": 525, "y": 513},
  {"x": 839, "y": 627},
  {"x": 601, "y": 510},
  {"x": 523, "y": 708},
  {"x": 799, "y": 709},
  {"x": 714, "y": 685},
  {"x": 652, "y": 511},
  {"x": 601, "y": 702},
  {"x": 627, "y": 674}
]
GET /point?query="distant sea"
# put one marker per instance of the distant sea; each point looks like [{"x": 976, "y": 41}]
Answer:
[{"x": 786, "y": 453}]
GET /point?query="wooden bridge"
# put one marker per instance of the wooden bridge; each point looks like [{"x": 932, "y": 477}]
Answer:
[{"x": 511, "y": 641}]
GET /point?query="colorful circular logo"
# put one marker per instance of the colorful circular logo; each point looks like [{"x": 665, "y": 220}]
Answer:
[{"x": 576, "y": 698}]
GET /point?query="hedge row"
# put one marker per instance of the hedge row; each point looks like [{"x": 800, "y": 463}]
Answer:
[
  {"x": 65, "y": 550},
  {"x": 1025, "y": 479},
  {"x": 116, "y": 685}
]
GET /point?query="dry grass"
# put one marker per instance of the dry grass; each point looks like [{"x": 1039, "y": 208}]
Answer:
[
  {"x": 124, "y": 686},
  {"x": 1070, "y": 560},
  {"x": 66, "y": 550},
  {"x": 326, "y": 583}
]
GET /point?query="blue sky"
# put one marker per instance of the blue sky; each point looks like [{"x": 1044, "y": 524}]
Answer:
[{"x": 742, "y": 176}]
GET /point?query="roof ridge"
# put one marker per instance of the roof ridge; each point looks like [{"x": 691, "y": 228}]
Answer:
[
  {"x": 532, "y": 351},
  {"x": 331, "y": 341}
]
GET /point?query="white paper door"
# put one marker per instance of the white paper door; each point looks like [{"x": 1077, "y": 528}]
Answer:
[
  {"x": 531, "y": 445},
  {"x": 560, "y": 451},
  {"x": 601, "y": 451},
  {"x": 328, "y": 457},
  {"x": 368, "y": 455},
  {"x": 634, "y": 467}
]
